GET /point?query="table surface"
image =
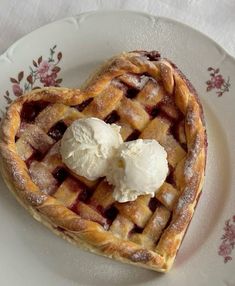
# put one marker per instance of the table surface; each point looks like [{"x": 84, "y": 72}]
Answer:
[{"x": 213, "y": 18}]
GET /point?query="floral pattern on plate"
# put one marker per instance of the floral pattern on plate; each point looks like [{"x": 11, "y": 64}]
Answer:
[
  {"x": 228, "y": 240},
  {"x": 42, "y": 73},
  {"x": 217, "y": 82}
]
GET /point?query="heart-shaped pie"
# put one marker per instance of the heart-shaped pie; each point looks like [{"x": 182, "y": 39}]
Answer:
[{"x": 150, "y": 99}]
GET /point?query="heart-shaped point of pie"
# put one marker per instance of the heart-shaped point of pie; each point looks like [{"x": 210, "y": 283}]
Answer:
[{"x": 149, "y": 98}]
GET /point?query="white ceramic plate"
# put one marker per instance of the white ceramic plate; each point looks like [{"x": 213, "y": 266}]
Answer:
[{"x": 31, "y": 254}]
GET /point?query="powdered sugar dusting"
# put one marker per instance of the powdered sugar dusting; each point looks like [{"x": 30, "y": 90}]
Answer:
[
  {"x": 188, "y": 195},
  {"x": 17, "y": 173},
  {"x": 55, "y": 149},
  {"x": 36, "y": 199},
  {"x": 144, "y": 62},
  {"x": 118, "y": 84},
  {"x": 136, "y": 81},
  {"x": 143, "y": 80},
  {"x": 169, "y": 144},
  {"x": 153, "y": 92},
  {"x": 190, "y": 117},
  {"x": 181, "y": 221},
  {"x": 128, "y": 112},
  {"x": 159, "y": 221},
  {"x": 192, "y": 157},
  {"x": 41, "y": 176},
  {"x": 100, "y": 105},
  {"x": 168, "y": 198},
  {"x": 141, "y": 255}
]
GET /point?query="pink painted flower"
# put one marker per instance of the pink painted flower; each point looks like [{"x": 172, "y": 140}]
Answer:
[
  {"x": 225, "y": 249},
  {"x": 48, "y": 73},
  {"x": 17, "y": 90},
  {"x": 230, "y": 233},
  {"x": 228, "y": 240},
  {"x": 44, "y": 68},
  {"x": 217, "y": 81},
  {"x": 42, "y": 73},
  {"x": 49, "y": 79}
]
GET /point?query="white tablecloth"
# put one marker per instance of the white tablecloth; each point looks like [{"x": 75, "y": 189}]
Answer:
[{"x": 215, "y": 18}]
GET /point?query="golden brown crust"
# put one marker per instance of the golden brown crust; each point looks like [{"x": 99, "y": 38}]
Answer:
[{"x": 189, "y": 172}]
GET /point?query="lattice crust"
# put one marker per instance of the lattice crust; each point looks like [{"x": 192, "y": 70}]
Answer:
[{"x": 149, "y": 98}]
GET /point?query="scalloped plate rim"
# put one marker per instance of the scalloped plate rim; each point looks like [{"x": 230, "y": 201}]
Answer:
[{"x": 89, "y": 13}]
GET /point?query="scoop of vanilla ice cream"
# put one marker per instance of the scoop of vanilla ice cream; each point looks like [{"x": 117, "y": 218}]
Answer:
[
  {"x": 87, "y": 146},
  {"x": 139, "y": 167}
]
